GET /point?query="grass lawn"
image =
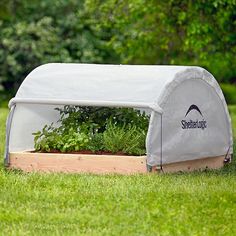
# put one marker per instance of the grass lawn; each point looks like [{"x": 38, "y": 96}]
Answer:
[
  {"x": 200, "y": 203},
  {"x": 232, "y": 111}
]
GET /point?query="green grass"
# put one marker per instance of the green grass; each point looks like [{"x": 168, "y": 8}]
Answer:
[
  {"x": 232, "y": 111},
  {"x": 200, "y": 203},
  {"x": 3, "y": 115}
]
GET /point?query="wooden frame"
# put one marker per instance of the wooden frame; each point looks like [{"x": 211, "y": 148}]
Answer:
[{"x": 101, "y": 164}]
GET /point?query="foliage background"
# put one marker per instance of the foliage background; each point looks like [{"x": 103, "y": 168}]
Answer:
[{"x": 113, "y": 31}]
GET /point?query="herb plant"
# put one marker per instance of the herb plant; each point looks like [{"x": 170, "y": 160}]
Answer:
[
  {"x": 127, "y": 139},
  {"x": 95, "y": 129}
]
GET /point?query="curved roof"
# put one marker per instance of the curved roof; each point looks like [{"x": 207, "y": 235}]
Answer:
[{"x": 145, "y": 85}]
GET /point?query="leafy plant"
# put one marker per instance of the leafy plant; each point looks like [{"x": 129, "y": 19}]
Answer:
[
  {"x": 97, "y": 118},
  {"x": 51, "y": 139},
  {"x": 127, "y": 139},
  {"x": 96, "y": 142},
  {"x": 95, "y": 129}
]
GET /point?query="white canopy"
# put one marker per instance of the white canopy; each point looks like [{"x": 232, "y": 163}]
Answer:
[
  {"x": 167, "y": 91},
  {"x": 86, "y": 82}
]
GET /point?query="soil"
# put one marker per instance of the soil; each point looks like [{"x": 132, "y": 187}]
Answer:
[{"x": 87, "y": 152}]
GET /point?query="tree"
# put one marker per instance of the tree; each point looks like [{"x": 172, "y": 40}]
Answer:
[
  {"x": 39, "y": 32},
  {"x": 171, "y": 32}
]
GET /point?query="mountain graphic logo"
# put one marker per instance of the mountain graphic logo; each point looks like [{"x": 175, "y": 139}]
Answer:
[
  {"x": 196, "y": 123},
  {"x": 193, "y": 107}
]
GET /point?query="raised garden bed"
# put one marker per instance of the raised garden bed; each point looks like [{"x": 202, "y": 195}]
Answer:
[
  {"x": 101, "y": 164},
  {"x": 97, "y": 140}
]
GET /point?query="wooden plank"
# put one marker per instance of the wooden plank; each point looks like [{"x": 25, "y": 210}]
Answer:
[
  {"x": 199, "y": 164},
  {"x": 76, "y": 163},
  {"x": 101, "y": 164}
]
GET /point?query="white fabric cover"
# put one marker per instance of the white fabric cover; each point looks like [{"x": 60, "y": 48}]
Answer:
[
  {"x": 173, "y": 88},
  {"x": 120, "y": 83}
]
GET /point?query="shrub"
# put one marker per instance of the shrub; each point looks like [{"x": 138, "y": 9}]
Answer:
[{"x": 229, "y": 91}]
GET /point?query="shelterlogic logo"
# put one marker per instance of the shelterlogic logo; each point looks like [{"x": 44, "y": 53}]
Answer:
[{"x": 194, "y": 124}]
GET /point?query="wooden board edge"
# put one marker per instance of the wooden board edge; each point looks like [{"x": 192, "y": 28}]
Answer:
[
  {"x": 102, "y": 164},
  {"x": 197, "y": 164},
  {"x": 77, "y": 163}
]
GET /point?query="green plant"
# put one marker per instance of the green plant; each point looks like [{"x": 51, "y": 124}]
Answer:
[
  {"x": 91, "y": 128},
  {"x": 97, "y": 118},
  {"x": 127, "y": 139},
  {"x": 51, "y": 139},
  {"x": 96, "y": 142}
]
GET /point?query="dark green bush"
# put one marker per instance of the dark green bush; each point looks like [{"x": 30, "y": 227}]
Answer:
[
  {"x": 97, "y": 118},
  {"x": 96, "y": 142},
  {"x": 229, "y": 91},
  {"x": 4, "y": 98}
]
